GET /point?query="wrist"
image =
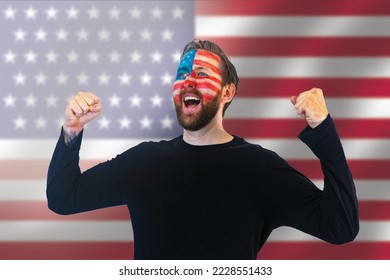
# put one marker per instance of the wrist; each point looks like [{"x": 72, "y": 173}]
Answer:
[
  {"x": 313, "y": 124},
  {"x": 70, "y": 134}
]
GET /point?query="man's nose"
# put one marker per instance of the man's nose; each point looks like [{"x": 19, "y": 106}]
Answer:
[{"x": 189, "y": 83}]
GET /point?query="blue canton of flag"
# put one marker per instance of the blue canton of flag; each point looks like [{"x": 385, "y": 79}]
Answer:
[{"x": 125, "y": 52}]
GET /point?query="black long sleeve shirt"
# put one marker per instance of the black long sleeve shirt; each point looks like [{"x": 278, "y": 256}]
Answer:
[{"x": 211, "y": 202}]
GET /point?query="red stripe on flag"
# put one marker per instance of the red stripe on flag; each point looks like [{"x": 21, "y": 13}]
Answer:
[
  {"x": 337, "y": 87},
  {"x": 125, "y": 250},
  {"x": 374, "y": 210},
  {"x": 289, "y": 128},
  {"x": 283, "y": 7},
  {"x": 38, "y": 210},
  {"x": 324, "y": 251},
  {"x": 67, "y": 250},
  {"x": 32, "y": 169},
  {"x": 303, "y": 46},
  {"x": 361, "y": 169}
]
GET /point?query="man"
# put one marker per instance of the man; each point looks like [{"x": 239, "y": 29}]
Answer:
[{"x": 208, "y": 194}]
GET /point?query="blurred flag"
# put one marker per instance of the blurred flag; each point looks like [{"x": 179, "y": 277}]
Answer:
[
  {"x": 127, "y": 53},
  {"x": 282, "y": 48}
]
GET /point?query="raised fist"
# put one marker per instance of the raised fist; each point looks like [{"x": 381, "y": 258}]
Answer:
[
  {"x": 311, "y": 106},
  {"x": 80, "y": 110}
]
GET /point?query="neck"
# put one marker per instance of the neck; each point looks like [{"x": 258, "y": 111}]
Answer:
[{"x": 212, "y": 134}]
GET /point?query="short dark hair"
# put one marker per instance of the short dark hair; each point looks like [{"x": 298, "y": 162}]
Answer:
[{"x": 229, "y": 73}]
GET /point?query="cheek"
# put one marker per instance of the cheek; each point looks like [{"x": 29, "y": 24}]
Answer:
[
  {"x": 208, "y": 91},
  {"x": 176, "y": 99},
  {"x": 207, "y": 98},
  {"x": 177, "y": 86}
]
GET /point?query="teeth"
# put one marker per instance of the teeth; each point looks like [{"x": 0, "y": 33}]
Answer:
[{"x": 191, "y": 98}]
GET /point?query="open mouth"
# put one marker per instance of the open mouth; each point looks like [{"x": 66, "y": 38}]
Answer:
[{"x": 191, "y": 101}]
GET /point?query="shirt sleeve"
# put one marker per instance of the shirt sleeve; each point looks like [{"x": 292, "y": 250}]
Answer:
[
  {"x": 71, "y": 191},
  {"x": 330, "y": 214}
]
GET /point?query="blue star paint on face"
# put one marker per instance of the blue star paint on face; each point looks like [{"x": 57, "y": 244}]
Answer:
[{"x": 185, "y": 66}]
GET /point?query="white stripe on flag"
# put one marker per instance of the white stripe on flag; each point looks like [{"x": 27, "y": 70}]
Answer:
[
  {"x": 367, "y": 190},
  {"x": 60, "y": 231},
  {"x": 122, "y": 231},
  {"x": 22, "y": 190},
  {"x": 34, "y": 190},
  {"x": 272, "y": 108},
  {"x": 369, "y": 231},
  {"x": 305, "y": 67},
  {"x": 43, "y": 148},
  {"x": 354, "y": 149},
  {"x": 100, "y": 150},
  {"x": 346, "y": 26}
]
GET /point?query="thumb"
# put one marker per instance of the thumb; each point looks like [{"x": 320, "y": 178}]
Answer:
[{"x": 293, "y": 99}]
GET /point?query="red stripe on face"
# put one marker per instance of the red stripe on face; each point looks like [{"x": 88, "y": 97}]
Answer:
[
  {"x": 208, "y": 54},
  {"x": 205, "y": 84},
  {"x": 178, "y": 85},
  {"x": 207, "y": 98},
  {"x": 207, "y": 65},
  {"x": 208, "y": 85},
  {"x": 214, "y": 79},
  {"x": 199, "y": 86},
  {"x": 176, "y": 98}
]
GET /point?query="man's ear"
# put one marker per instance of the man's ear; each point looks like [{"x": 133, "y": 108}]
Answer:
[{"x": 228, "y": 92}]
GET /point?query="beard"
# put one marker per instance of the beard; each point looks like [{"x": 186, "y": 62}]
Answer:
[{"x": 200, "y": 119}]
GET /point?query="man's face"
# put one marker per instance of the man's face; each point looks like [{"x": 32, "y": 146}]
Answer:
[{"x": 197, "y": 89}]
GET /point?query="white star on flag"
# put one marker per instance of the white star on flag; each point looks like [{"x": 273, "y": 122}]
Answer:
[
  {"x": 9, "y": 101},
  {"x": 279, "y": 48},
  {"x": 93, "y": 13},
  {"x": 51, "y": 13},
  {"x": 20, "y": 35},
  {"x": 31, "y": 13},
  {"x": 72, "y": 13},
  {"x": 10, "y": 57},
  {"x": 62, "y": 35},
  {"x": 121, "y": 51},
  {"x": 9, "y": 13}
]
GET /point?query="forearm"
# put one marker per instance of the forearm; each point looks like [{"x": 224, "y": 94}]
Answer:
[
  {"x": 63, "y": 173},
  {"x": 70, "y": 191},
  {"x": 339, "y": 203}
]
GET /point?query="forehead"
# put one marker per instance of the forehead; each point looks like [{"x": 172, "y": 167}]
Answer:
[{"x": 195, "y": 57}]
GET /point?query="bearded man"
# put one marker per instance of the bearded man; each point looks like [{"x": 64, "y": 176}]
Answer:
[{"x": 207, "y": 194}]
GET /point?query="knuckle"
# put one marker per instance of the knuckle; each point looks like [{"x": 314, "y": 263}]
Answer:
[
  {"x": 316, "y": 90},
  {"x": 80, "y": 93}
]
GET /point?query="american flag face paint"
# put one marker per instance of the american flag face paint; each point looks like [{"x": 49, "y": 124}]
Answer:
[{"x": 198, "y": 71}]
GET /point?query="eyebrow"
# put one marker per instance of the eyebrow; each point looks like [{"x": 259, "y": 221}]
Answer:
[
  {"x": 200, "y": 68},
  {"x": 207, "y": 65}
]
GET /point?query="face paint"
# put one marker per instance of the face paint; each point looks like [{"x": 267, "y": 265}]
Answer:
[
  {"x": 185, "y": 66},
  {"x": 197, "y": 89},
  {"x": 198, "y": 71}
]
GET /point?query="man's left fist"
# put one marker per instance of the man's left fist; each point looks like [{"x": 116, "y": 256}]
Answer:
[{"x": 311, "y": 106}]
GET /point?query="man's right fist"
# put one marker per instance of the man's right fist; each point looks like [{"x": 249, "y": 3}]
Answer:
[{"x": 80, "y": 110}]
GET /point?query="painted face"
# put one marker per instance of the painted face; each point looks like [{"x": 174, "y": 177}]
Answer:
[
  {"x": 197, "y": 89},
  {"x": 198, "y": 71}
]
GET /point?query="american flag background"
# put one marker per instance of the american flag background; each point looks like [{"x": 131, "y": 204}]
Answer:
[{"x": 127, "y": 52}]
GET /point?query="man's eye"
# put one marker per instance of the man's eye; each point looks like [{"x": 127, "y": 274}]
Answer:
[
  {"x": 182, "y": 75},
  {"x": 202, "y": 74}
]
